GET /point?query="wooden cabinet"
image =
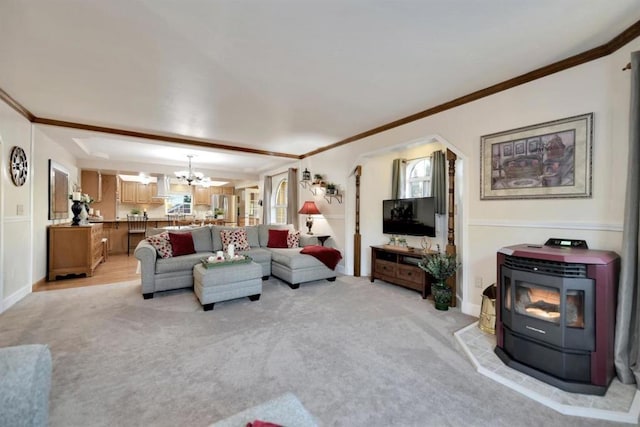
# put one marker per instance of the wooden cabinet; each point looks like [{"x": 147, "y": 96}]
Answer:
[
  {"x": 400, "y": 267},
  {"x": 228, "y": 190},
  {"x": 138, "y": 193},
  {"x": 74, "y": 249},
  {"x": 129, "y": 192},
  {"x": 107, "y": 206},
  {"x": 91, "y": 184},
  {"x": 143, "y": 193},
  {"x": 202, "y": 195}
]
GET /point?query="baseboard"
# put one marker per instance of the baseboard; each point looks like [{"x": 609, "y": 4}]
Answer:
[
  {"x": 14, "y": 298},
  {"x": 470, "y": 309}
]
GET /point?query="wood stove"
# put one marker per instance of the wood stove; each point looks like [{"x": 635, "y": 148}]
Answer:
[{"x": 555, "y": 313}]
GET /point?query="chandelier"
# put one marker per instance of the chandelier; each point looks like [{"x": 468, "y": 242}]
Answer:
[{"x": 189, "y": 175}]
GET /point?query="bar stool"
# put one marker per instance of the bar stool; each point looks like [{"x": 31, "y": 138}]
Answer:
[
  {"x": 137, "y": 226},
  {"x": 105, "y": 249}
]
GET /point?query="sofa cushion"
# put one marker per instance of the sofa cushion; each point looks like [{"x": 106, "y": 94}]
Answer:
[
  {"x": 293, "y": 259},
  {"x": 277, "y": 238},
  {"x": 293, "y": 239},
  {"x": 202, "y": 240},
  {"x": 162, "y": 244},
  {"x": 181, "y": 244},
  {"x": 236, "y": 236},
  {"x": 252, "y": 236},
  {"x": 180, "y": 263},
  {"x": 263, "y": 232},
  {"x": 259, "y": 255}
]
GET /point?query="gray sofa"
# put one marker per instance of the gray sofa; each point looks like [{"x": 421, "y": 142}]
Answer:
[
  {"x": 25, "y": 383},
  {"x": 162, "y": 274}
]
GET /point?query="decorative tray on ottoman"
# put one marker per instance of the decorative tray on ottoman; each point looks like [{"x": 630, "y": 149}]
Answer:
[{"x": 238, "y": 259}]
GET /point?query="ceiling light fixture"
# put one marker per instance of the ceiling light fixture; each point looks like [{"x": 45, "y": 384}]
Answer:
[{"x": 189, "y": 175}]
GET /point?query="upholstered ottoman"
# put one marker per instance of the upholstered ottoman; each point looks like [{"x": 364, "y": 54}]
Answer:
[{"x": 227, "y": 282}]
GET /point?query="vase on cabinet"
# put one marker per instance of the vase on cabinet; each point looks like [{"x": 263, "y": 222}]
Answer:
[{"x": 77, "y": 207}]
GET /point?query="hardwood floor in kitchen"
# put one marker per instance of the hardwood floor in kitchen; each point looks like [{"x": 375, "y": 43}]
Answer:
[{"x": 118, "y": 268}]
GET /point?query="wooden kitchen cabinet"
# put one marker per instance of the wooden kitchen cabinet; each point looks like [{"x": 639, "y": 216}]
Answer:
[
  {"x": 128, "y": 192},
  {"x": 137, "y": 193},
  {"x": 143, "y": 193},
  {"x": 107, "y": 206},
  {"x": 202, "y": 195},
  {"x": 91, "y": 184},
  {"x": 73, "y": 249}
]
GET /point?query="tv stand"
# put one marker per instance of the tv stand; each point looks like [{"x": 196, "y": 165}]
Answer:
[{"x": 399, "y": 266}]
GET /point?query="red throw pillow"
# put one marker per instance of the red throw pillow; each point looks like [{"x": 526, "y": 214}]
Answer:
[
  {"x": 278, "y": 238},
  {"x": 182, "y": 244}
]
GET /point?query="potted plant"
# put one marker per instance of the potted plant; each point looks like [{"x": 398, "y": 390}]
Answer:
[
  {"x": 440, "y": 266},
  {"x": 218, "y": 213},
  {"x": 331, "y": 188},
  {"x": 317, "y": 178}
]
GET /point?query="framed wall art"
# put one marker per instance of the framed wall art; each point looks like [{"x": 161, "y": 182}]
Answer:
[{"x": 547, "y": 160}]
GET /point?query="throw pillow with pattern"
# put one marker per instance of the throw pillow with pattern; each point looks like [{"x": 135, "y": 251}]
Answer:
[
  {"x": 238, "y": 237},
  {"x": 162, "y": 244},
  {"x": 293, "y": 240}
]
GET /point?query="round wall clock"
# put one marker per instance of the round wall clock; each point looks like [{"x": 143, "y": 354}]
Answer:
[{"x": 19, "y": 166}]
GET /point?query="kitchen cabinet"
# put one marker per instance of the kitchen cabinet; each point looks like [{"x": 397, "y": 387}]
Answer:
[
  {"x": 202, "y": 195},
  {"x": 91, "y": 184},
  {"x": 108, "y": 205},
  {"x": 129, "y": 192},
  {"x": 138, "y": 193}
]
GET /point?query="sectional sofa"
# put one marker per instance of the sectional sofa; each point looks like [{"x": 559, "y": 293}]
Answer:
[{"x": 288, "y": 264}]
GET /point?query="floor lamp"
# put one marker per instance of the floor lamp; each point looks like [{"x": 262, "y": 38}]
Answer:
[{"x": 309, "y": 208}]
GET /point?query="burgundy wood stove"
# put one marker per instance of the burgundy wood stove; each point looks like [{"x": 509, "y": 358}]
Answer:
[{"x": 555, "y": 313}]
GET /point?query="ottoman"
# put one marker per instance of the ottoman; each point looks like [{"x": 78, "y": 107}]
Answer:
[{"x": 226, "y": 282}]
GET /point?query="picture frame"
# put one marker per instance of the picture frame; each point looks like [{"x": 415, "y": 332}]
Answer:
[{"x": 542, "y": 161}]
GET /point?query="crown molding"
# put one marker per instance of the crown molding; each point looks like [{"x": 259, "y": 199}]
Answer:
[{"x": 592, "y": 54}]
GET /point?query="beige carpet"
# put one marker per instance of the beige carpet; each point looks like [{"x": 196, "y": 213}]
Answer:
[{"x": 354, "y": 353}]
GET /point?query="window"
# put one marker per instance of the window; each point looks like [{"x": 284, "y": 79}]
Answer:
[
  {"x": 178, "y": 204},
  {"x": 280, "y": 203},
  {"x": 418, "y": 177}
]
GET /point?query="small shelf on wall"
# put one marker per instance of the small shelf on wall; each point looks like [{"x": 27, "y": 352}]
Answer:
[{"x": 336, "y": 196}]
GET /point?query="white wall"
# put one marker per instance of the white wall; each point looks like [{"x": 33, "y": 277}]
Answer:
[
  {"x": 15, "y": 211},
  {"x": 599, "y": 87},
  {"x": 44, "y": 148}
]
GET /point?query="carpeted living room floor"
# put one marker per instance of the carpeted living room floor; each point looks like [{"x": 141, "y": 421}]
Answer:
[{"x": 354, "y": 353}]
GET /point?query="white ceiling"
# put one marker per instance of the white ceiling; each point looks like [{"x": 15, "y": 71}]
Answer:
[{"x": 288, "y": 76}]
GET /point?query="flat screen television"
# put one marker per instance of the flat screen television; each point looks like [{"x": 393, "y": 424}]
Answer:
[{"x": 412, "y": 217}]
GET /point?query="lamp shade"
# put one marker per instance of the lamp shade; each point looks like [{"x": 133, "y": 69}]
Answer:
[{"x": 309, "y": 208}]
